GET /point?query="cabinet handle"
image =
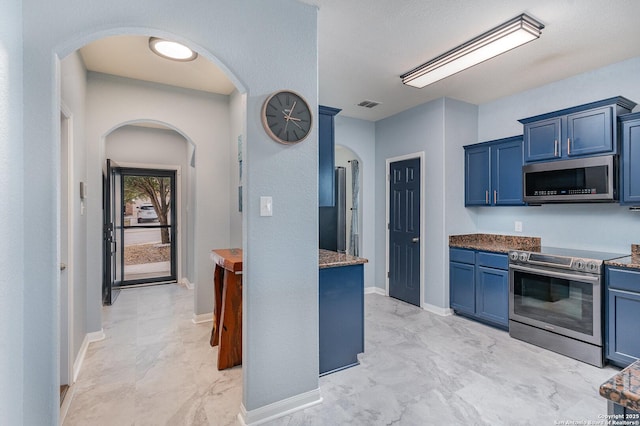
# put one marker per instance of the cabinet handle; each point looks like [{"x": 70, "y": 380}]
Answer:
[
  {"x": 495, "y": 195},
  {"x": 486, "y": 196},
  {"x": 568, "y": 146},
  {"x": 555, "y": 148}
]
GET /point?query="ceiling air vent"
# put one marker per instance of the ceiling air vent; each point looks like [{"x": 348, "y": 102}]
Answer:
[{"x": 368, "y": 104}]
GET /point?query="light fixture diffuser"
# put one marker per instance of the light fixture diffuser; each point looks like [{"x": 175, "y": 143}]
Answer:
[
  {"x": 513, "y": 33},
  {"x": 171, "y": 50}
]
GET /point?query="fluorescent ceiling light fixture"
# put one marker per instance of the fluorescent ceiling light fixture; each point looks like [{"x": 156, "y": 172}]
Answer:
[
  {"x": 513, "y": 33},
  {"x": 171, "y": 50}
]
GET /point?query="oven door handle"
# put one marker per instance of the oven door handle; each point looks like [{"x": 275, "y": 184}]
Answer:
[{"x": 595, "y": 279}]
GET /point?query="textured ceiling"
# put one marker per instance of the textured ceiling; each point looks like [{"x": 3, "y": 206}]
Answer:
[{"x": 365, "y": 45}]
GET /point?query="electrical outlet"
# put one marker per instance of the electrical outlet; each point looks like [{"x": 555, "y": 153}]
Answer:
[{"x": 518, "y": 226}]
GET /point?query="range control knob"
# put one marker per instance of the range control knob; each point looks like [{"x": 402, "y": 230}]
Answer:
[
  {"x": 513, "y": 255},
  {"x": 579, "y": 264},
  {"x": 523, "y": 257},
  {"x": 593, "y": 266}
]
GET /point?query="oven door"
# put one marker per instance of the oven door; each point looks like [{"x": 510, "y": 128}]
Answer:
[{"x": 564, "y": 303}]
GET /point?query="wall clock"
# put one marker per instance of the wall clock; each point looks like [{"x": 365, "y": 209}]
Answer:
[{"x": 286, "y": 117}]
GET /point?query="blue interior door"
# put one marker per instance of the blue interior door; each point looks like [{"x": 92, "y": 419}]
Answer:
[{"x": 404, "y": 231}]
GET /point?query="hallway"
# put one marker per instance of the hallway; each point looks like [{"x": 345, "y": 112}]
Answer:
[{"x": 154, "y": 367}]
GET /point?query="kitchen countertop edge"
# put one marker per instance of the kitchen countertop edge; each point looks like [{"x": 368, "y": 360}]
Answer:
[
  {"x": 624, "y": 388},
  {"x": 494, "y": 243},
  {"x": 332, "y": 259}
]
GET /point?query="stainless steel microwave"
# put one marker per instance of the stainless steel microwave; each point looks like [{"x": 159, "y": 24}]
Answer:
[{"x": 580, "y": 180}]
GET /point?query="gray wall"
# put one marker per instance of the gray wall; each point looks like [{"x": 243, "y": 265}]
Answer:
[
  {"x": 237, "y": 108},
  {"x": 73, "y": 82},
  {"x": 281, "y": 326},
  {"x": 12, "y": 259},
  {"x": 439, "y": 128},
  {"x": 607, "y": 227}
]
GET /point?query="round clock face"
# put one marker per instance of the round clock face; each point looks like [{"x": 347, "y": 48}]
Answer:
[{"x": 286, "y": 117}]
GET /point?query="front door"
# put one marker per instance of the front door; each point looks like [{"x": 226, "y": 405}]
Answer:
[
  {"x": 404, "y": 230},
  {"x": 149, "y": 226},
  {"x": 112, "y": 233}
]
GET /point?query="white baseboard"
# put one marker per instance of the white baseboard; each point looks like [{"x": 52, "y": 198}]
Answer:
[
  {"x": 96, "y": 336},
  {"x": 64, "y": 408},
  {"x": 279, "y": 409},
  {"x": 443, "y": 312},
  {"x": 185, "y": 282},
  {"x": 201, "y": 318},
  {"x": 375, "y": 290}
]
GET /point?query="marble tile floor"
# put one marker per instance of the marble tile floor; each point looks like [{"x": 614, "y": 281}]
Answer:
[{"x": 155, "y": 367}]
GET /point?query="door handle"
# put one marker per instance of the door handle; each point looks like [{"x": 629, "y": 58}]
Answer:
[
  {"x": 415, "y": 239},
  {"x": 568, "y": 146},
  {"x": 63, "y": 266},
  {"x": 486, "y": 197},
  {"x": 555, "y": 148},
  {"x": 495, "y": 196}
]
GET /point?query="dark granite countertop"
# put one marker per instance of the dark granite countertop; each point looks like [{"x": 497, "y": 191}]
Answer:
[
  {"x": 332, "y": 259},
  {"x": 624, "y": 387},
  {"x": 632, "y": 261},
  {"x": 494, "y": 242}
]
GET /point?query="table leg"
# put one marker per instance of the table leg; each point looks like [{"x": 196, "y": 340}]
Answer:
[
  {"x": 230, "y": 350},
  {"x": 218, "y": 283}
]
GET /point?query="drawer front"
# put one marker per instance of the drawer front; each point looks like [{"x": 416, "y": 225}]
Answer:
[
  {"x": 462, "y": 256},
  {"x": 623, "y": 279},
  {"x": 493, "y": 260}
]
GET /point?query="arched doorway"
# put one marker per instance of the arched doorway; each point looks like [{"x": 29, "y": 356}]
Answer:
[
  {"x": 113, "y": 106},
  {"x": 345, "y": 157}
]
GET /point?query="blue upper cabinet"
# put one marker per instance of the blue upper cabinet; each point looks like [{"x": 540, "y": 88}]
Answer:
[
  {"x": 477, "y": 175},
  {"x": 584, "y": 130},
  {"x": 630, "y": 155},
  {"x": 326, "y": 155},
  {"x": 493, "y": 173},
  {"x": 506, "y": 172},
  {"x": 543, "y": 139}
]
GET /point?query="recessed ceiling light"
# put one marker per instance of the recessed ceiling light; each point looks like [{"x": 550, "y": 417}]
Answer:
[{"x": 171, "y": 50}]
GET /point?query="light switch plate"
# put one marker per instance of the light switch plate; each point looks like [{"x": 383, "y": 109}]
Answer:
[
  {"x": 266, "y": 206},
  {"x": 518, "y": 226}
]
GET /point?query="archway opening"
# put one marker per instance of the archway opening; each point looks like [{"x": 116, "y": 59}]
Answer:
[
  {"x": 345, "y": 157},
  {"x": 116, "y": 103}
]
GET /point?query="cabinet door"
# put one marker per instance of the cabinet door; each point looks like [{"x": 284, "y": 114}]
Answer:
[
  {"x": 542, "y": 139},
  {"x": 477, "y": 176},
  {"x": 589, "y": 132},
  {"x": 623, "y": 317},
  {"x": 506, "y": 177},
  {"x": 630, "y": 184},
  {"x": 462, "y": 287},
  {"x": 341, "y": 317},
  {"x": 492, "y": 295}
]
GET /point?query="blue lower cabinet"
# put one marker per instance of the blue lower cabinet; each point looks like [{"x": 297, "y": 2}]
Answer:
[
  {"x": 492, "y": 295},
  {"x": 341, "y": 294},
  {"x": 461, "y": 287},
  {"x": 623, "y": 316},
  {"x": 479, "y": 286}
]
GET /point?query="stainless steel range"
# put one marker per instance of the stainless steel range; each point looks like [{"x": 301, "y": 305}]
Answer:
[{"x": 556, "y": 300}]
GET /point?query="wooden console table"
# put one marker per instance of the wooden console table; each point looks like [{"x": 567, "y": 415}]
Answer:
[{"x": 227, "y": 312}]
